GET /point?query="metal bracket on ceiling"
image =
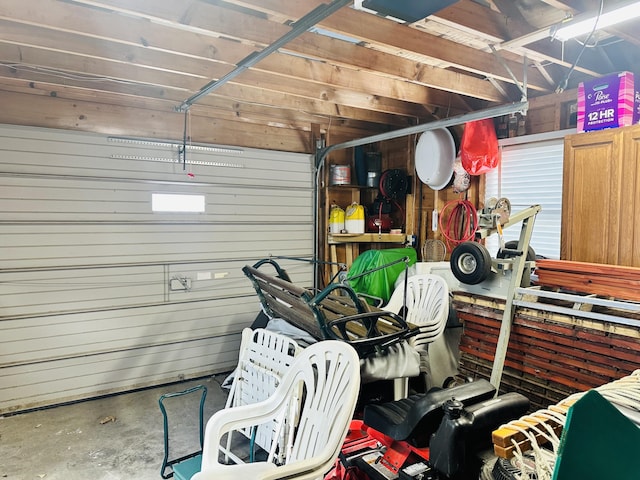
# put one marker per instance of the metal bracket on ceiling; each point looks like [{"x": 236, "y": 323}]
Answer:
[
  {"x": 302, "y": 25},
  {"x": 521, "y": 86},
  {"x": 498, "y": 87}
]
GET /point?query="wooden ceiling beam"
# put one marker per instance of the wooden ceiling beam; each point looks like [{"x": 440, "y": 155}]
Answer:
[
  {"x": 261, "y": 32},
  {"x": 95, "y": 43},
  {"x": 106, "y": 70},
  {"x": 215, "y": 106},
  {"x": 240, "y": 94},
  {"x": 501, "y": 28},
  {"x": 380, "y": 31},
  {"x": 53, "y": 112}
]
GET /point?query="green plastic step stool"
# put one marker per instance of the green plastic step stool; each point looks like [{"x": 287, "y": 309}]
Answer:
[
  {"x": 184, "y": 467},
  {"x": 187, "y": 468}
]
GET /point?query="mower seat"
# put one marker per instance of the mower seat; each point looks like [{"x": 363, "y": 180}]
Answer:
[{"x": 422, "y": 413}]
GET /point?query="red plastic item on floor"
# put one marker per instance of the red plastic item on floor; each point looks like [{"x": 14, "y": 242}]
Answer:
[{"x": 361, "y": 437}]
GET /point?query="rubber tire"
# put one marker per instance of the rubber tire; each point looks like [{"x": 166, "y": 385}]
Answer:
[
  {"x": 531, "y": 257},
  {"x": 470, "y": 263},
  {"x": 513, "y": 245}
]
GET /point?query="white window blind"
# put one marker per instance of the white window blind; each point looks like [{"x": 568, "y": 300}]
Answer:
[{"x": 530, "y": 173}]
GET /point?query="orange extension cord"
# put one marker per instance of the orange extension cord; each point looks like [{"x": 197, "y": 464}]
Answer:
[{"x": 461, "y": 222}]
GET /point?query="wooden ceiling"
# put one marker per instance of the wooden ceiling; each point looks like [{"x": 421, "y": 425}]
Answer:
[{"x": 65, "y": 61}]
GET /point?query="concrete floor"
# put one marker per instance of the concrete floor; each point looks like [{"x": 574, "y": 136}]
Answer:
[{"x": 70, "y": 442}]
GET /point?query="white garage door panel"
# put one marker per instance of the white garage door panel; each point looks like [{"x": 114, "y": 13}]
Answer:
[
  {"x": 108, "y": 161},
  {"x": 43, "y": 292},
  {"x": 84, "y": 244},
  {"x": 49, "y": 292},
  {"x": 29, "y": 340},
  {"x": 133, "y": 196},
  {"x": 23, "y": 236},
  {"x": 89, "y": 274},
  {"x": 34, "y": 385},
  {"x": 148, "y": 252},
  {"x": 112, "y": 203}
]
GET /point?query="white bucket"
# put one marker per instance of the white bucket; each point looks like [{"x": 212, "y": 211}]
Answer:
[{"x": 340, "y": 175}]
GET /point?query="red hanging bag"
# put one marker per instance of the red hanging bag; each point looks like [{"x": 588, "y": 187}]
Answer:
[{"x": 479, "y": 150}]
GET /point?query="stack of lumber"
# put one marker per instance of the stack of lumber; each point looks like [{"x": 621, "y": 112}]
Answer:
[
  {"x": 549, "y": 355},
  {"x": 591, "y": 278}
]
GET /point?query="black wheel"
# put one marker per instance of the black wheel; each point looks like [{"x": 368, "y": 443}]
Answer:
[
  {"x": 513, "y": 245},
  {"x": 531, "y": 257},
  {"x": 470, "y": 263}
]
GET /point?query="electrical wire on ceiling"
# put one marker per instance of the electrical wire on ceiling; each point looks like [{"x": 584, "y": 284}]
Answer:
[
  {"x": 65, "y": 75},
  {"x": 564, "y": 82}
]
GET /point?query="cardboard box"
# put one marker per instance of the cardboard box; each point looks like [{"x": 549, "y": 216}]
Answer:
[{"x": 608, "y": 102}]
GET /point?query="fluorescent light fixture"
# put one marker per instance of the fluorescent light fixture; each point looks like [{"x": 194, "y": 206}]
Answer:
[
  {"x": 176, "y": 160},
  {"x": 177, "y": 203},
  {"x": 583, "y": 24},
  {"x": 170, "y": 144}
]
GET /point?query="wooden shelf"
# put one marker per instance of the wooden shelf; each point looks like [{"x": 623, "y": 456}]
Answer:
[
  {"x": 351, "y": 186},
  {"x": 336, "y": 238}
]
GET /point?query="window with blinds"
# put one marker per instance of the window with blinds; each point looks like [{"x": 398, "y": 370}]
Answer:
[{"x": 530, "y": 173}]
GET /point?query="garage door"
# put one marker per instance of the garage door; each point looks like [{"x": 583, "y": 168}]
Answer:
[{"x": 99, "y": 293}]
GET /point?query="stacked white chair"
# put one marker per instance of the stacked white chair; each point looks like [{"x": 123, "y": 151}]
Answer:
[
  {"x": 264, "y": 358},
  {"x": 426, "y": 307},
  {"x": 314, "y": 402}
]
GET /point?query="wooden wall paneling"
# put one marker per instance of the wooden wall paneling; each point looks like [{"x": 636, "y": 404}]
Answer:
[
  {"x": 547, "y": 113},
  {"x": 543, "y": 119}
]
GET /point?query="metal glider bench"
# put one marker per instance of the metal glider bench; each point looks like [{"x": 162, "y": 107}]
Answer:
[{"x": 335, "y": 313}]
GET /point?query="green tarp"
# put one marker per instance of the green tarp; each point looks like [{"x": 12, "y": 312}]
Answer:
[{"x": 379, "y": 283}]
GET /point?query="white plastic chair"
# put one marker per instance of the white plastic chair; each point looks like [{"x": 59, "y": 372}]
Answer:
[
  {"x": 427, "y": 307},
  {"x": 264, "y": 358},
  {"x": 327, "y": 374}
]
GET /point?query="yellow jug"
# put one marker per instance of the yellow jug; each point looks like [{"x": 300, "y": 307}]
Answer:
[
  {"x": 336, "y": 219},
  {"x": 354, "y": 218}
]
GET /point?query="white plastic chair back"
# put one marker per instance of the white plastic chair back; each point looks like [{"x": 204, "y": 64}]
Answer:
[
  {"x": 427, "y": 306},
  {"x": 264, "y": 358},
  {"x": 318, "y": 396}
]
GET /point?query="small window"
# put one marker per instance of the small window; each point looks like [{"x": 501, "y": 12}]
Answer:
[{"x": 176, "y": 202}]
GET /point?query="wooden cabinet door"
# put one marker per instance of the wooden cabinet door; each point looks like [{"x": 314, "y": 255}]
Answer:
[
  {"x": 629, "y": 251},
  {"x": 592, "y": 196}
]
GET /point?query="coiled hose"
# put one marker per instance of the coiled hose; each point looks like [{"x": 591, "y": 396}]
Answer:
[{"x": 458, "y": 222}]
